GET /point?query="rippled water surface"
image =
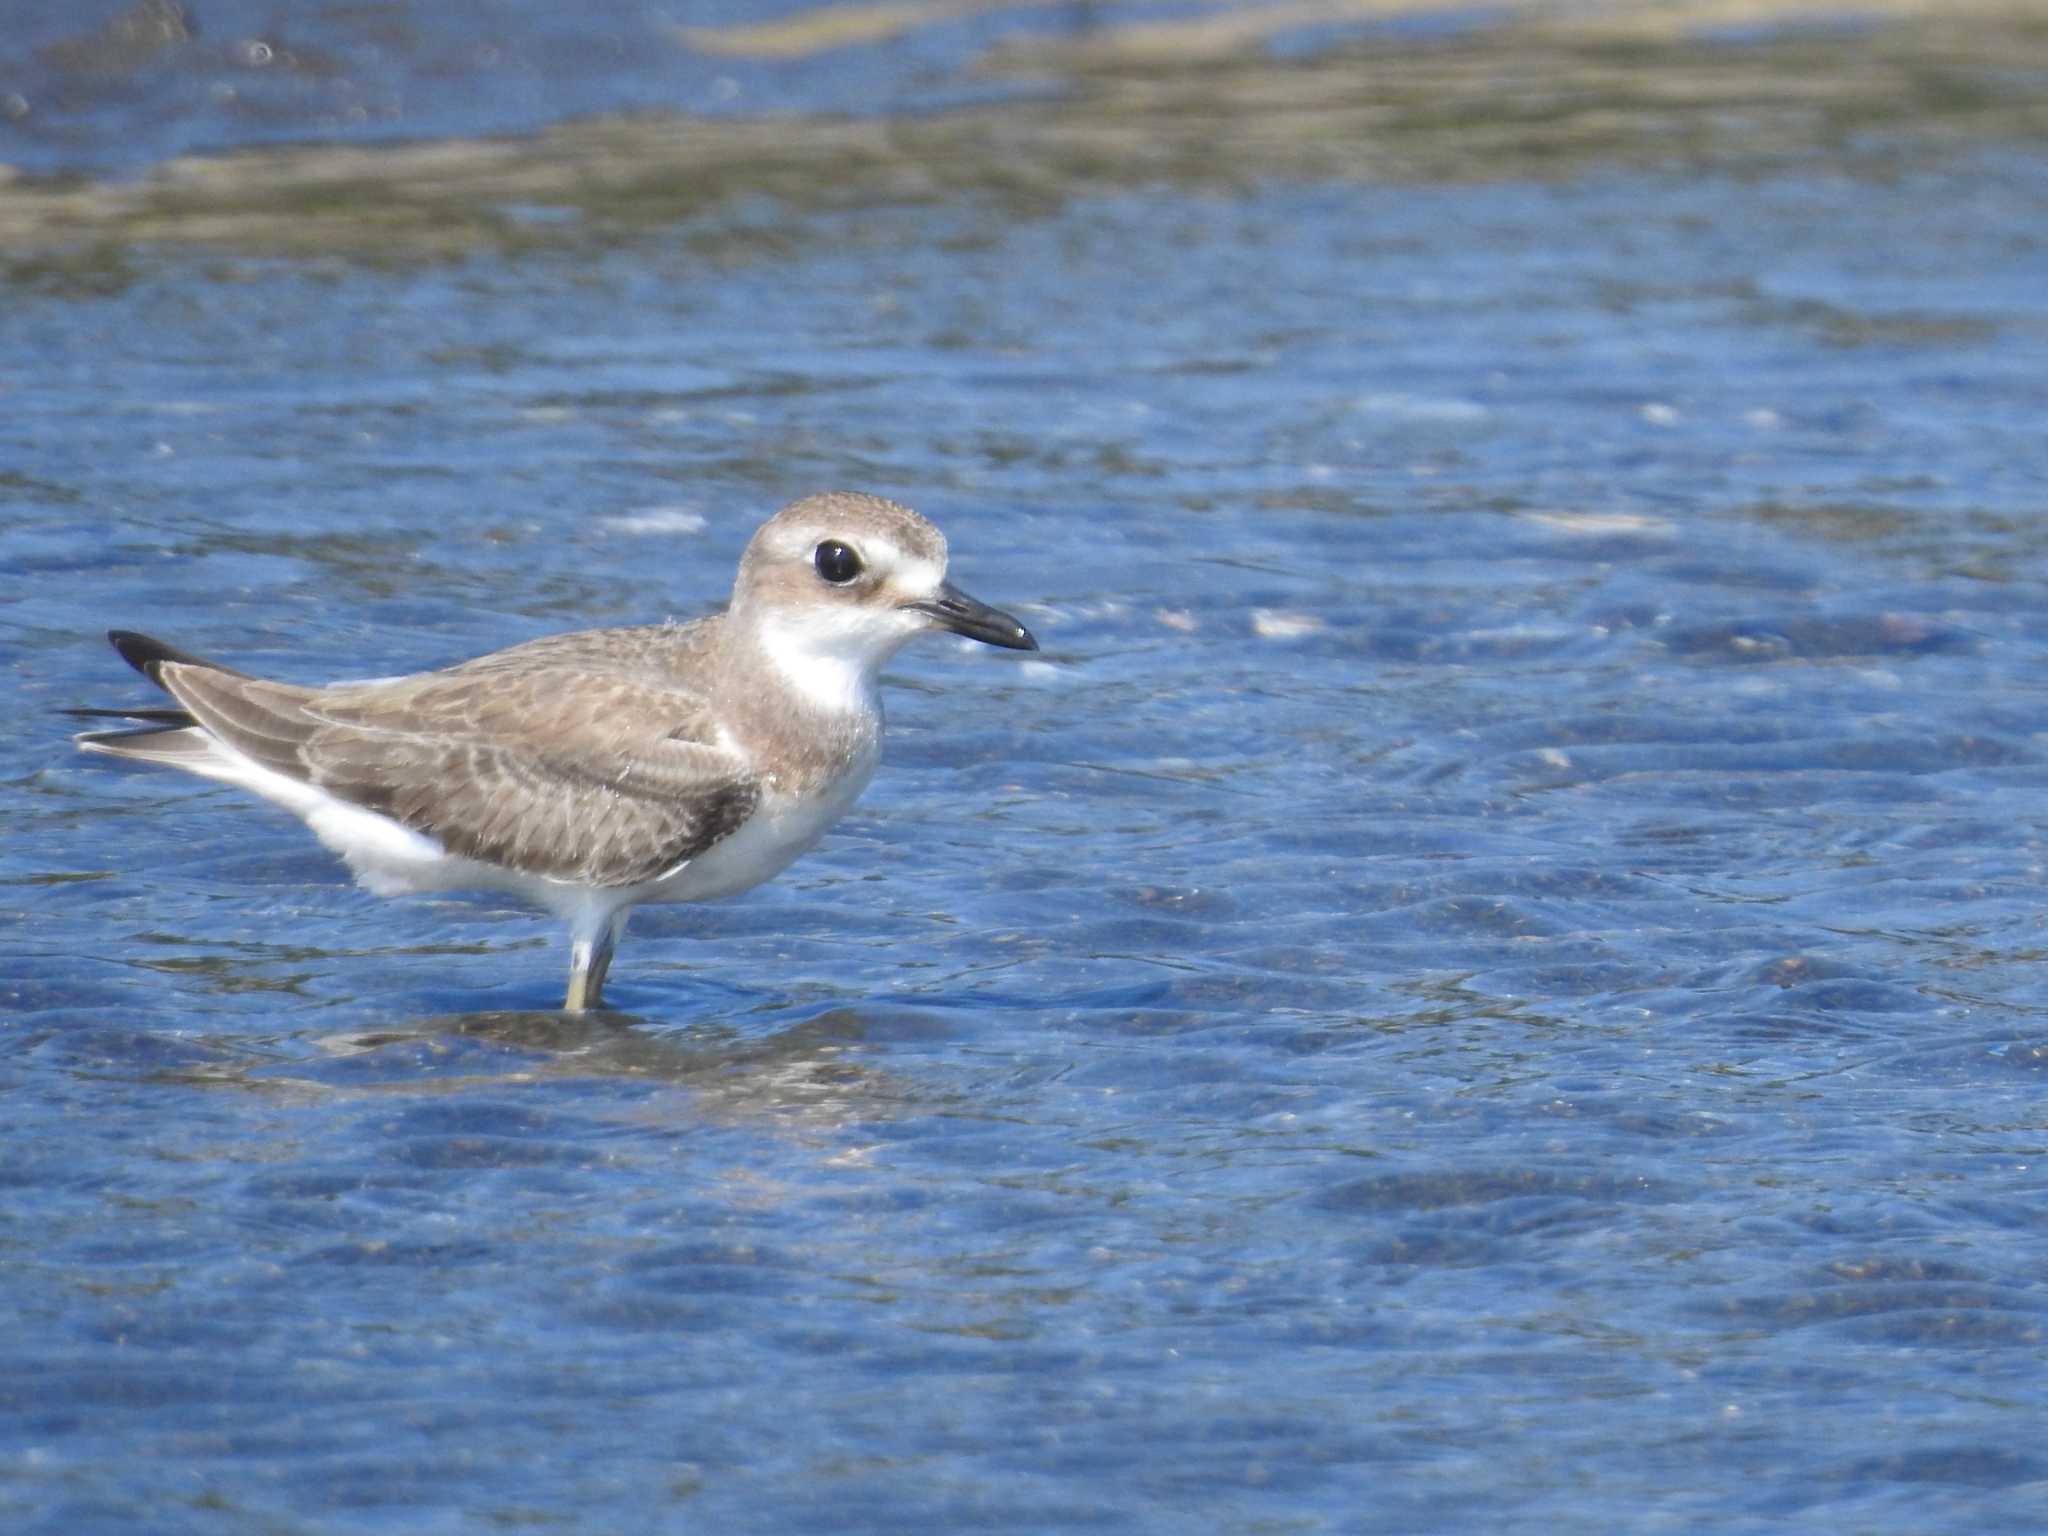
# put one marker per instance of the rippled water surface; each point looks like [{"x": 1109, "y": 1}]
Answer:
[{"x": 1487, "y": 979}]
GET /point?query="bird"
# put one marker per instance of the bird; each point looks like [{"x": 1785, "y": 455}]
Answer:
[{"x": 591, "y": 772}]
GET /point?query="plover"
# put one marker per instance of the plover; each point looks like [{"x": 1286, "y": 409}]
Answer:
[{"x": 594, "y": 771}]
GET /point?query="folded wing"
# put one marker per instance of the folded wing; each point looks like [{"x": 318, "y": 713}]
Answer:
[{"x": 573, "y": 772}]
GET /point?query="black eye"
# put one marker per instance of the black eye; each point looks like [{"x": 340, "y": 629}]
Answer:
[{"x": 836, "y": 562}]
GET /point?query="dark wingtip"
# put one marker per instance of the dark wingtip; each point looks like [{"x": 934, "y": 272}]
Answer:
[
  {"x": 147, "y": 654},
  {"x": 141, "y": 652}
]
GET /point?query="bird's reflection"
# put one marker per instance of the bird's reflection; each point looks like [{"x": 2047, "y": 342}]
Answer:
[{"x": 806, "y": 1072}]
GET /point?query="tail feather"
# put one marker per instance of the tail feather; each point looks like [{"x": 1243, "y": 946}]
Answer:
[
  {"x": 180, "y": 746},
  {"x": 160, "y": 717},
  {"x": 160, "y": 733},
  {"x": 147, "y": 655}
]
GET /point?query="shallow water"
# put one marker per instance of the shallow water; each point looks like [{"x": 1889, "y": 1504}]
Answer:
[{"x": 1483, "y": 981}]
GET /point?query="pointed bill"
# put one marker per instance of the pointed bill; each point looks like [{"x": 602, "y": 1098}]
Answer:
[{"x": 953, "y": 609}]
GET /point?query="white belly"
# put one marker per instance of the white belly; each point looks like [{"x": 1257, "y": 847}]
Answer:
[
  {"x": 781, "y": 828},
  {"x": 390, "y": 859}
]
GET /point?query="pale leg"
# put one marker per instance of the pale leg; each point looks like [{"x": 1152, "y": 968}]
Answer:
[{"x": 590, "y": 957}]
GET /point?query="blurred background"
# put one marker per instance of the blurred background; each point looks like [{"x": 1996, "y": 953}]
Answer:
[{"x": 1486, "y": 978}]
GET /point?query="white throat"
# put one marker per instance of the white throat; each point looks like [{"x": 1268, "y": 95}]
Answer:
[{"x": 835, "y": 667}]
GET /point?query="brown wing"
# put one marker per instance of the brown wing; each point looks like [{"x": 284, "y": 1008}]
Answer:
[
  {"x": 573, "y": 772},
  {"x": 655, "y": 652}
]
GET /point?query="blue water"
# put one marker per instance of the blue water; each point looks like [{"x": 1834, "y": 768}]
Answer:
[
  {"x": 114, "y": 88},
  {"x": 1486, "y": 979}
]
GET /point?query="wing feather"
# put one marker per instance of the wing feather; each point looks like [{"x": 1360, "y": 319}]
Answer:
[{"x": 563, "y": 769}]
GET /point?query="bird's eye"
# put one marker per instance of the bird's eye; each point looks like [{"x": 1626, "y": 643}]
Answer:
[{"x": 836, "y": 562}]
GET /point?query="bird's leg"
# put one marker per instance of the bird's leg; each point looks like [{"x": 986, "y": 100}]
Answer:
[{"x": 590, "y": 957}]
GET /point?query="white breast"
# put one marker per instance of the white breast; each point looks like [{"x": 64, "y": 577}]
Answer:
[{"x": 781, "y": 828}]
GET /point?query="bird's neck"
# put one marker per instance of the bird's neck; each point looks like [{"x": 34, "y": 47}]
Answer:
[{"x": 798, "y": 701}]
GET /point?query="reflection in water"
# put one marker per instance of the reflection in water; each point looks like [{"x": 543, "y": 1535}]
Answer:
[{"x": 804, "y": 1076}]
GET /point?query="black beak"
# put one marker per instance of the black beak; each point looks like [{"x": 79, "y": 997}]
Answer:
[{"x": 964, "y": 615}]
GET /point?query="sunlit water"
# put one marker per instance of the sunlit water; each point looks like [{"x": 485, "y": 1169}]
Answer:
[{"x": 1487, "y": 979}]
